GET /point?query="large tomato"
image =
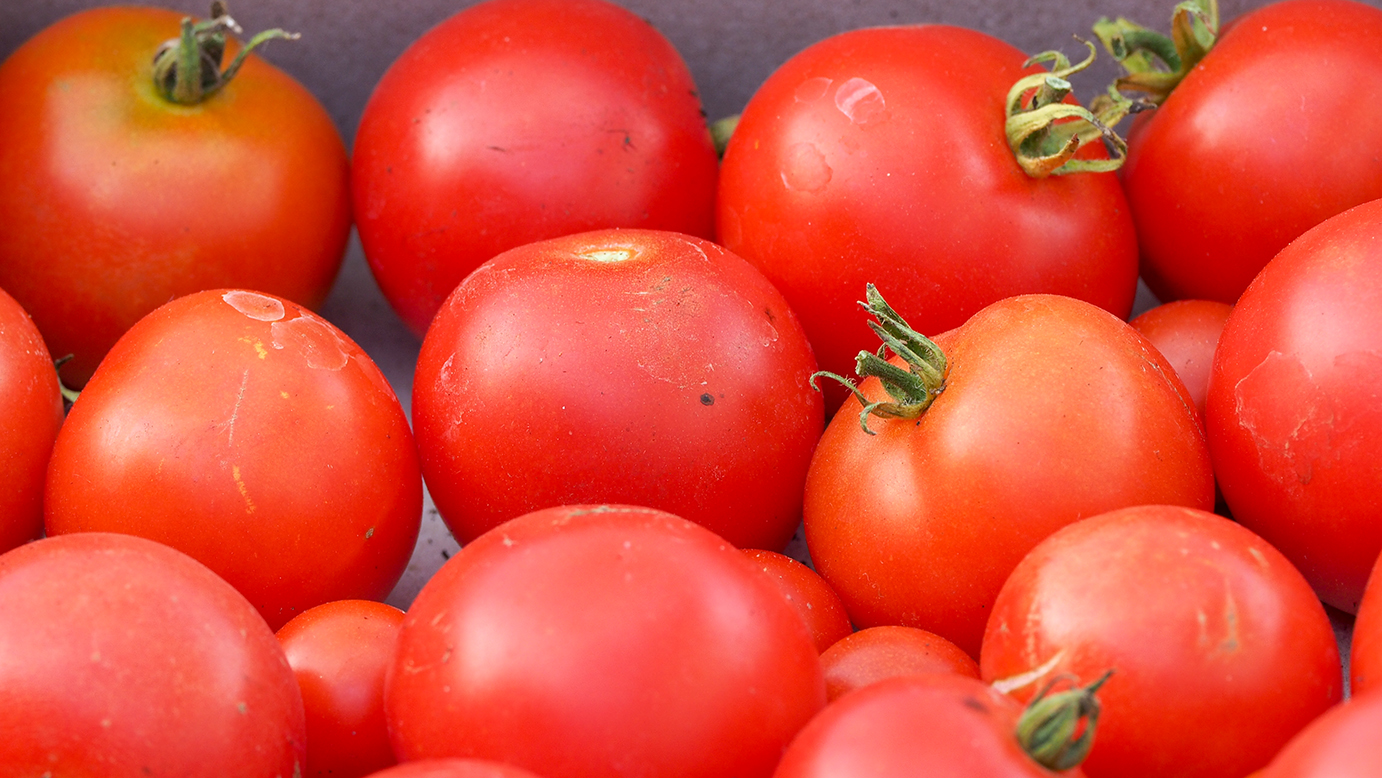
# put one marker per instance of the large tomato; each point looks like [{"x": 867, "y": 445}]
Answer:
[
  {"x": 879, "y": 156},
  {"x": 30, "y": 414},
  {"x": 1365, "y": 648},
  {"x": 1293, "y": 411},
  {"x": 251, "y": 434},
  {"x": 123, "y": 658},
  {"x": 603, "y": 641},
  {"x": 114, "y": 199},
  {"x": 1205, "y": 626},
  {"x": 1051, "y": 410},
  {"x": 519, "y": 120},
  {"x": 632, "y": 366},
  {"x": 1273, "y": 132},
  {"x": 1342, "y": 743}
]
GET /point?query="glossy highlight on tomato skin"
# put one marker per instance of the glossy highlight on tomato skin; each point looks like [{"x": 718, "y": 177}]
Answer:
[
  {"x": 521, "y": 120},
  {"x": 114, "y": 200},
  {"x": 879, "y": 156}
]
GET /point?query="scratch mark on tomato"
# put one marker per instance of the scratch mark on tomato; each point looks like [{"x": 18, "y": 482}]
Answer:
[
  {"x": 1290, "y": 445},
  {"x": 256, "y": 306},
  {"x": 240, "y": 484},
  {"x": 1014, "y": 682},
  {"x": 235, "y": 411}
]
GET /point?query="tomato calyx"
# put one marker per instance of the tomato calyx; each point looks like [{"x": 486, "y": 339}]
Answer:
[
  {"x": 1057, "y": 730},
  {"x": 69, "y": 395},
  {"x": 721, "y": 130},
  {"x": 1156, "y": 63},
  {"x": 912, "y": 390},
  {"x": 187, "y": 69},
  {"x": 1045, "y": 132}
]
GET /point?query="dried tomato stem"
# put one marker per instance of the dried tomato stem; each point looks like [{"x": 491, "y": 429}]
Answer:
[{"x": 1156, "y": 63}]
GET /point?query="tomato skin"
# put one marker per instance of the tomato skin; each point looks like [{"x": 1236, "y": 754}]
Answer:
[
  {"x": 603, "y": 641},
  {"x": 1365, "y": 650},
  {"x": 1230, "y": 168},
  {"x": 254, "y": 436},
  {"x": 632, "y": 366},
  {"x": 913, "y": 188},
  {"x": 951, "y": 724},
  {"x": 812, "y": 598},
  {"x": 30, "y": 414},
  {"x": 1293, "y": 418},
  {"x": 114, "y": 200},
  {"x": 520, "y": 120},
  {"x": 877, "y": 653},
  {"x": 339, "y": 652},
  {"x": 453, "y": 768},
  {"x": 123, "y": 658},
  {"x": 1053, "y": 410},
  {"x": 1341, "y": 743},
  {"x": 1186, "y": 332},
  {"x": 1205, "y": 626}
]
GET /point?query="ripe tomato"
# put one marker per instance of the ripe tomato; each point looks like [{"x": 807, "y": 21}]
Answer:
[
  {"x": 453, "y": 768},
  {"x": 1052, "y": 410},
  {"x": 874, "y": 654},
  {"x": 339, "y": 652},
  {"x": 879, "y": 156},
  {"x": 608, "y": 640},
  {"x": 1233, "y": 165},
  {"x": 251, "y": 434},
  {"x": 630, "y": 366},
  {"x": 1186, "y": 332},
  {"x": 1293, "y": 412},
  {"x": 30, "y": 414},
  {"x": 1342, "y": 743},
  {"x": 519, "y": 120},
  {"x": 114, "y": 200},
  {"x": 123, "y": 658},
  {"x": 937, "y": 724},
  {"x": 1205, "y": 626},
  {"x": 812, "y": 598},
  {"x": 1365, "y": 651}
]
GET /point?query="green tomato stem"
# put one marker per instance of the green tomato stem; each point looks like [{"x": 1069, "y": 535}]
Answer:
[
  {"x": 1154, "y": 63},
  {"x": 1057, "y": 730},
  {"x": 187, "y": 69}
]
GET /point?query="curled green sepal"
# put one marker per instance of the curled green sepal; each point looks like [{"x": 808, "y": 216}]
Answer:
[
  {"x": 187, "y": 69},
  {"x": 69, "y": 395},
  {"x": 1045, "y": 132},
  {"x": 1057, "y": 730},
  {"x": 1156, "y": 63},
  {"x": 911, "y": 390},
  {"x": 721, "y": 130}
]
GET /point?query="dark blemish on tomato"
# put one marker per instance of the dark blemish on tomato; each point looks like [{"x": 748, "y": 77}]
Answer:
[
  {"x": 706, "y": 399},
  {"x": 975, "y": 704},
  {"x": 497, "y": 148},
  {"x": 769, "y": 313}
]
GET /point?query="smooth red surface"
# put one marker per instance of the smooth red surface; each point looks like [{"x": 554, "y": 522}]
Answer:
[
  {"x": 254, "y": 436},
  {"x": 877, "y": 653},
  {"x": 1220, "y": 651},
  {"x": 631, "y": 366},
  {"x": 113, "y": 200},
  {"x": 603, "y": 640},
  {"x": 123, "y": 658},
  {"x": 1273, "y": 132},
  {"x": 1365, "y": 650},
  {"x": 1342, "y": 743},
  {"x": 519, "y": 120},
  {"x": 30, "y": 415},
  {"x": 1293, "y": 411},
  {"x": 453, "y": 768},
  {"x": 879, "y": 156},
  {"x": 1053, "y": 410},
  {"x": 941, "y": 724},
  {"x": 339, "y": 652},
  {"x": 1186, "y": 332},
  {"x": 817, "y": 604}
]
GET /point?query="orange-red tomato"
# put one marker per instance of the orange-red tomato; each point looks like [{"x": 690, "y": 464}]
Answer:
[
  {"x": 339, "y": 652},
  {"x": 871, "y": 655},
  {"x": 453, "y": 768},
  {"x": 817, "y": 604},
  {"x": 30, "y": 414},
  {"x": 1186, "y": 332},
  {"x": 114, "y": 200},
  {"x": 1365, "y": 651},
  {"x": 1341, "y": 743}
]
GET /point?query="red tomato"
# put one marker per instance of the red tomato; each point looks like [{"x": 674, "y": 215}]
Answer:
[
  {"x": 453, "y": 768},
  {"x": 877, "y": 653},
  {"x": 1186, "y": 332},
  {"x": 519, "y": 120},
  {"x": 339, "y": 652},
  {"x": 123, "y": 658},
  {"x": 812, "y": 598},
  {"x": 251, "y": 434},
  {"x": 879, "y": 156},
  {"x": 1273, "y": 132},
  {"x": 1206, "y": 627},
  {"x": 30, "y": 414},
  {"x": 1342, "y": 743},
  {"x": 1293, "y": 411},
  {"x": 609, "y": 640},
  {"x": 1365, "y": 652},
  {"x": 939, "y": 724},
  {"x": 1052, "y": 410},
  {"x": 114, "y": 200},
  {"x": 631, "y": 366}
]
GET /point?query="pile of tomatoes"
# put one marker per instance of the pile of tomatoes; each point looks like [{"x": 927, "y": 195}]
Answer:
[{"x": 888, "y": 315}]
